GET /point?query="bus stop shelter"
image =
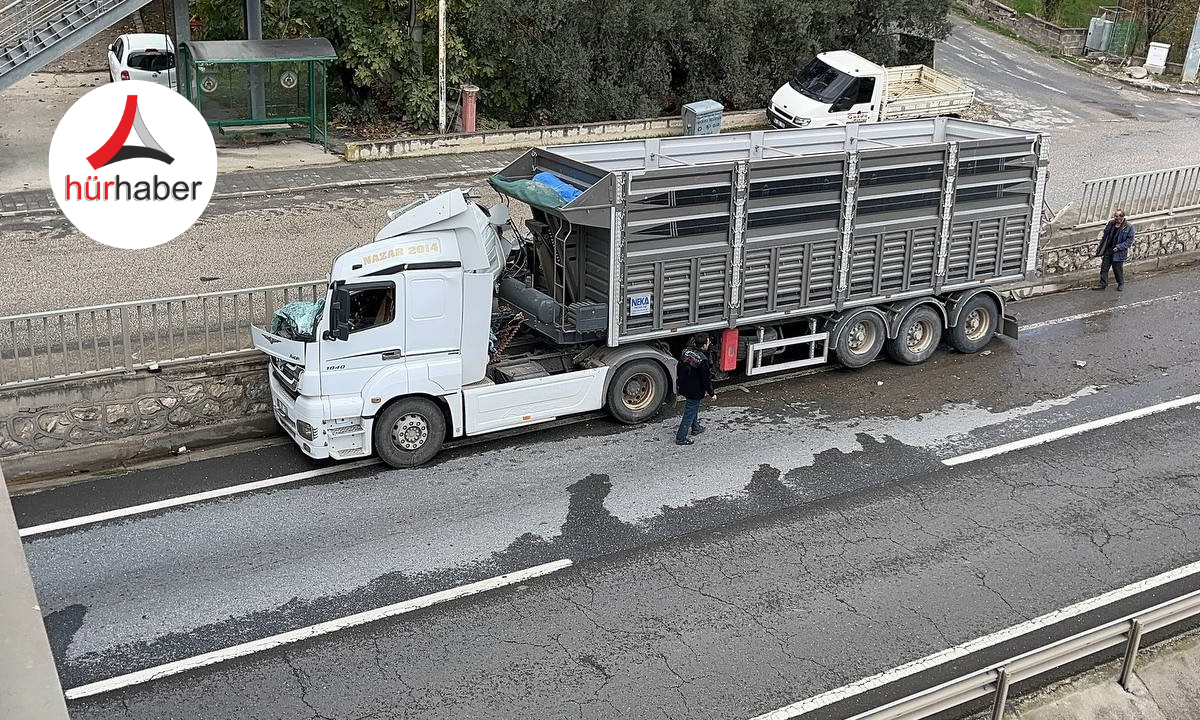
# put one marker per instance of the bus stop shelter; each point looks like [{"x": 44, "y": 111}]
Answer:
[{"x": 259, "y": 86}]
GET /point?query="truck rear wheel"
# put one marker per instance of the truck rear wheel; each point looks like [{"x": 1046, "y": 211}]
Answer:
[
  {"x": 976, "y": 325},
  {"x": 637, "y": 391},
  {"x": 409, "y": 432},
  {"x": 860, "y": 340},
  {"x": 917, "y": 338}
]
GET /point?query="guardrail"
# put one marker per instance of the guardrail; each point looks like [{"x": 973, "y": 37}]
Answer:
[
  {"x": 995, "y": 680},
  {"x": 102, "y": 339},
  {"x": 1141, "y": 194}
]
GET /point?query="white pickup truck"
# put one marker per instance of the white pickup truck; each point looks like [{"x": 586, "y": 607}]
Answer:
[{"x": 840, "y": 87}]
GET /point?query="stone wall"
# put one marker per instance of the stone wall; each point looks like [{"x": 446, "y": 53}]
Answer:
[
  {"x": 1067, "y": 41},
  {"x": 132, "y": 414},
  {"x": 1069, "y": 250}
]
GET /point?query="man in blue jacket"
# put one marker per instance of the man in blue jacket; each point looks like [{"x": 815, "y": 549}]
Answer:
[
  {"x": 695, "y": 381},
  {"x": 1113, "y": 249}
]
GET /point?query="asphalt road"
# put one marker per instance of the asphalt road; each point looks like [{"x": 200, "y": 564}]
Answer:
[
  {"x": 1098, "y": 126},
  {"x": 812, "y": 537}
]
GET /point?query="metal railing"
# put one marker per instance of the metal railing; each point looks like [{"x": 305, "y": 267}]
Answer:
[
  {"x": 88, "y": 341},
  {"x": 995, "y": 680},
  {"x": 1142, "y": 194},
  {"x": 22, "y": 20}
]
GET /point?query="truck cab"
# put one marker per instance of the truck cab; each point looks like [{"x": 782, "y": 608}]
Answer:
[
  {"x": 400, "y": 357},
  {"x": 835, "y": 88}
]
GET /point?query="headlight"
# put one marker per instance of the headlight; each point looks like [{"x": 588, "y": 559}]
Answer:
[
  {"x": 308, "y": 432},
  {"x": 802, "y": 122}
]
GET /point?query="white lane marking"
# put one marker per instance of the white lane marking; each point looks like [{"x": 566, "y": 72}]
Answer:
[
  {"x": 1073, "y": 430},
  {"x": 1103, "y": 311},
  {"x": 193, "y": 498},
  {"x": 358, "y": 464},
  {"x": 960, "y": 56},
  {"x": 942, "y": 657},
  {"x": 312, "y": 631}
]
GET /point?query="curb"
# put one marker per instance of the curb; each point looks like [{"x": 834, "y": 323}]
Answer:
[
  {"x": 362, "y": 182},
  {"x": 1162, "y": 88}
]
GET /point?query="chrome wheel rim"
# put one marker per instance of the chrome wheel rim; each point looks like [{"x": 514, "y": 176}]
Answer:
[
  {"x": 410, "y": 432},
  {"x": 638, "y": 391}
]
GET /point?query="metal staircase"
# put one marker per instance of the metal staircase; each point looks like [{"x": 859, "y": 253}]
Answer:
[{"x": 34, "y": 33}]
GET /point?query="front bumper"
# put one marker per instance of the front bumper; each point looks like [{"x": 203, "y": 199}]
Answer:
[
  {"x": 782, "y": 120},
  {"x": 289, "y": 411}
]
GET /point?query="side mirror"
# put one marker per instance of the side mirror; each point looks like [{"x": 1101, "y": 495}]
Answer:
[
  {"x": 339, "y": 306},
  {"x": 112, "y": 48}
]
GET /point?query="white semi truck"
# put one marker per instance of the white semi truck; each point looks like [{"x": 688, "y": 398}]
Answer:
[
  {"x": 840, "y": 87},
  {"x": 792, "y": 247}
]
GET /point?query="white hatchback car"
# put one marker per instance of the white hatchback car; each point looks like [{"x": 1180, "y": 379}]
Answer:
[{"x": 143, "y": 56}]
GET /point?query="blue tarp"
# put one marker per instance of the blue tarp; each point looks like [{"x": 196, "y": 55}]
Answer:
[{"x": 564, "y": 190}]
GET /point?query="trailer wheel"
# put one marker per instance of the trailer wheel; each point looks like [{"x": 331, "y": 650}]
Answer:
[
  {"x": 409, "y": 432},
  {"x": 917, "y": 338},
  {"x": 637, "y": 391},
  {"x": 976, "y": 326},
  {"x": 860, "y": 340}
]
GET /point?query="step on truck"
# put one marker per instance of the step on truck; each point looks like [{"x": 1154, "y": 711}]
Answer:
[
  {"x": 840, "y": 87},
  {"x": 792, "y": 248}
]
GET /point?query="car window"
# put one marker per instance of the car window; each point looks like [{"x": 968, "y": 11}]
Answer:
[
  {"x": 119, "y": 49},
  {"x": 154, "y": 62},
  {"x": 866, "y": 88},
  {"x": 371, "y": 307}
]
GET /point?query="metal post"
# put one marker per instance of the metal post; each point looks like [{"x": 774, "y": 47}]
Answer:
[
  {"x": 1131, "y": 651},
  {"x": 258, "y": 101},
  {"x": 1191, "y": 64},
  {"x": 29, "y": 687},
  {"x": 441, "y": 67},
  {"x": 183, "y": 28},
  {"x": 469, "y": 92},
  {"x": 1001, "y": 694}
]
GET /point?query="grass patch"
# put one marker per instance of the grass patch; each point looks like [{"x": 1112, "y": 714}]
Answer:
[{"x": 1074, "y": 13}]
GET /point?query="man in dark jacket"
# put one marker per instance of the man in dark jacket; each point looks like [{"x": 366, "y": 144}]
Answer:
[
  {"x": 695, "y": 381},
  {"x": 1113, "y": 249}
]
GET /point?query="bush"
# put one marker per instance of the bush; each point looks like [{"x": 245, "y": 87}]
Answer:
[{"x": 567, "y": 61}]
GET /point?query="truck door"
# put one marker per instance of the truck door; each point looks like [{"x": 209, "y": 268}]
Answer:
[
  {"x": 858, "y": 103},
  {"x": 374, "y": 315}
]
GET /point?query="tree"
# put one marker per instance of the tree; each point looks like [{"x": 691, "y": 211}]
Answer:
[{"x": 1158, "y": 14}]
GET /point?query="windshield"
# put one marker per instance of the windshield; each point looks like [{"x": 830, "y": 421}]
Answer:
[
  {"x": 154, "y": 62},
  {"x": 821, "y": 82}
]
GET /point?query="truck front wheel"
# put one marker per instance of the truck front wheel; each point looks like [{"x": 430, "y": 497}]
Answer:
[
  {"x": 409, "y": 432},
  {"x": 637, "y": 391}
]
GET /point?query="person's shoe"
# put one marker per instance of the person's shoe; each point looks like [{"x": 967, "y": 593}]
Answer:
[
  {"x": 698, "y": 429},
  {"x": 685, "y": 441},
  {"x": 1099, "y": 287},
  {"x": 1120, "y": 288}
]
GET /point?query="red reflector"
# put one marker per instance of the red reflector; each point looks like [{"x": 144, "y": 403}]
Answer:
[
  {"x": 729, "y": 346},
  {"x": 124, "y": 74}
]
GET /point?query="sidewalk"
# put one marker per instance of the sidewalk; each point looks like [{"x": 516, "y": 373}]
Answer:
[{"x": 343, "y": 174}]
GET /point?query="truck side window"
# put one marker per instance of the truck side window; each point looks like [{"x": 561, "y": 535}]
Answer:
[
  {"x": 866, "y": 89},
  {"x": 371, "y": 307}
]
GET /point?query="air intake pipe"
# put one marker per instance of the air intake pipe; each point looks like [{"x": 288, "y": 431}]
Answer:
[{"x": 538, "y": 304}]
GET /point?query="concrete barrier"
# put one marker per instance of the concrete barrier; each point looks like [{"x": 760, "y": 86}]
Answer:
[{"x": 538, "y": 136}]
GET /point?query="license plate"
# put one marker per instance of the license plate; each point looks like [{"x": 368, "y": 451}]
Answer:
[{"x": 777, "y": 123}]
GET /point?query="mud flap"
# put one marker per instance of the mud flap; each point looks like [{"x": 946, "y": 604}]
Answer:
[{"x": 1009, "y": 327}]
